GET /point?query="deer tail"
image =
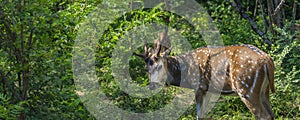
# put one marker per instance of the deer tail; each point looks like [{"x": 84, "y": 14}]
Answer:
[{"x": 269, "y": 69}]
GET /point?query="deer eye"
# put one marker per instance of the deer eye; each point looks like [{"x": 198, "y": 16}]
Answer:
[{"x": 151, "y": 62}]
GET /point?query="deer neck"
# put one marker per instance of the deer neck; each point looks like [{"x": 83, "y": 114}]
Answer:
[{"x": 174, "y": 73}]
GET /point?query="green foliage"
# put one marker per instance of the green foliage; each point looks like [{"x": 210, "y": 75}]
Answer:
[
  {"x": 233, "y": 28},
  {"x": 48, "y": 30},
  {"x": 287, "y": 75},
  {"x": 9, "y": 111}
]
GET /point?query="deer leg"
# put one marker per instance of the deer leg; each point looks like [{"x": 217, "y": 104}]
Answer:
[
  {"x": 255, "y": 107},
  {"x": 267, "y": 105},
  {"x": 266, "y": 94},
  {"x": 200, "y": 103},
  {"x": 266, "y": 102},
  {"x": 256, "y": 103},
  {"x": 198, "y": 107},
  {"x": 204, "y": 105}
]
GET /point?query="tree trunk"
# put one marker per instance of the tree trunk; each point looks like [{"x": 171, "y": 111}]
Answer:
[{"x": 270, "y": 12}]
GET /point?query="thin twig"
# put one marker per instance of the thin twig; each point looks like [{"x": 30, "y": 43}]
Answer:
[
  {"x": 278, "y": 7},
  {"x": 294, "y": 17},
  {"x": 254, "y": 26},
  {"x": 255, "y": 9},
  {"x": 264, "y": 16}
]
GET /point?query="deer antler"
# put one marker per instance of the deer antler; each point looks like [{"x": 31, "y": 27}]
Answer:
[
  {"x": 157, "y": 50},
  {"x": 146, "y": 52}
]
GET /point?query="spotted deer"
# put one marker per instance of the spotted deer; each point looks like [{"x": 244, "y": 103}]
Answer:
[{"x": 242, "y": 70}]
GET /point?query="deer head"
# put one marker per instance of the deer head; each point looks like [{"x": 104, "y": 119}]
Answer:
[{"x": 155, "y": 64}]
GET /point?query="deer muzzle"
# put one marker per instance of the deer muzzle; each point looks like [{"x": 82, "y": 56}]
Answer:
[{"x": 154, "y": 85}]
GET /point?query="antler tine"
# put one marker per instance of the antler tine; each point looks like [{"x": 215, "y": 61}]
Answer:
[
  {"x": 146, "y": 52},
  {"x": 139, "y": 55},
  {"x": 157, "y": 54}
]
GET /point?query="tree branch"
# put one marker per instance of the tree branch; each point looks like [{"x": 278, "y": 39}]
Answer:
[
  {"x": 294, "y": 17},
  {"x": 264, "y": 16},
  {"x": 238, "y": 7},
  {"x": 255, "y": 9},
  {"x": 278, "y": 7}
]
